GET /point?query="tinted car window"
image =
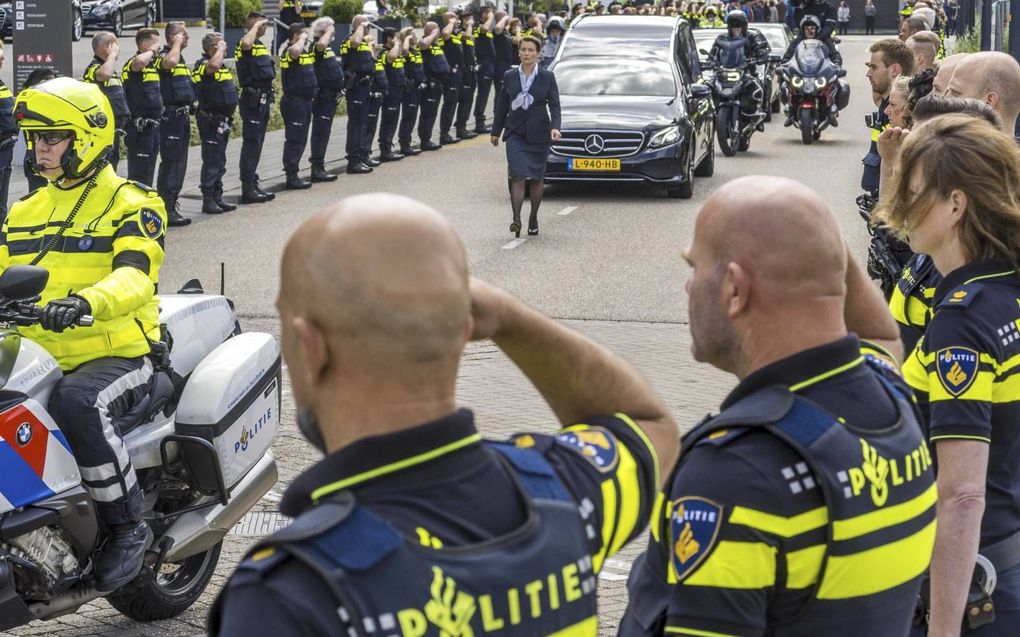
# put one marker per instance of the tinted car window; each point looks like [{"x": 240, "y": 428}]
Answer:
[
  {"x": 776, "y": 37},
  {"x": 617, "y": 77}
]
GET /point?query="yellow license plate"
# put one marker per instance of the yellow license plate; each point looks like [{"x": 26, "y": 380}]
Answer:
[
  {"x": 587, "y": 163},
  {"x": 309, "y": 14}
]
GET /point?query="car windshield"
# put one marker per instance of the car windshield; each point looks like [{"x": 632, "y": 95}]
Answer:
[
  {"x": 615, "y": 76},
  {"x": 705, "y": 38},
  {"x": 776, "y": 38}
]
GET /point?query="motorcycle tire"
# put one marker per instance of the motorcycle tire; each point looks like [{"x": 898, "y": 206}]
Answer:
[
  {"x": 171, "y": 592},
  {"x": 807, "y": 126},
  {"x": 722, "y": 129},
  {"x": 745, "y": 143}
]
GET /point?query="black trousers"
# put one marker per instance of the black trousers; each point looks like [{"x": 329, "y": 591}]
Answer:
[
  {"x": 375, "y": 101},
  {"x": 6, "y": 158},
  {"x": 174, "y": 139},
  {"x": 390, "y": 117},
  {"x": 323, "y": 111},
  {"x": 486, "y": 69},
  {"x": 410, "y": 101},
  {"x": 357, "y": 117},
  {"x": 88, "y": 404},
  {"x": 869, "y": 24},
  {"x": 143, "y": 147},
  {"x": 254, "y": 111},
  {"x": 297, "y": 118},
  {"x": 451, "y": 96},
  {"x": 466, "y": 101},
  {"x": 430, "y": 96},
  {"x": 214, "y": 131}
]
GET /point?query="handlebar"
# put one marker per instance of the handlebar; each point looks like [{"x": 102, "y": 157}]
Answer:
[{"x": 27, "y": 313}]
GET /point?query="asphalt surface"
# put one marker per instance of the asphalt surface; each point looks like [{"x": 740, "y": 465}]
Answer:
[{"x": 608, "y": 259}]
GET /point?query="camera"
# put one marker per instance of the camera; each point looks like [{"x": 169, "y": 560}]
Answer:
[{"x": 869, "y": 120}]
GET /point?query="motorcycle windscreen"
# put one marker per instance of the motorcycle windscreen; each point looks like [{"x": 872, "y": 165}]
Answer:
[
  {"x": 35, "y": 459},
  {"x": 811, "y": 56},
  {"x": 732, "y": 52}
]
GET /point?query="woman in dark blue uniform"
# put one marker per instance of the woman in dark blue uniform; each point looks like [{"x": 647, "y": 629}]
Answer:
[
  {"x": 528, "y": 116},
  {"x": 954, "y": 198}
]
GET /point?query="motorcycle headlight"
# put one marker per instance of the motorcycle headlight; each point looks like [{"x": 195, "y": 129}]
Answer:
[
  {"x": 665, "y": 137},
  {"x": 821, "y": 82},
  {"x": 797, "y": 81}
]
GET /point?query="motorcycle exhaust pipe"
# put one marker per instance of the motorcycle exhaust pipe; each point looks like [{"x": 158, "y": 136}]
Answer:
[{"x": 64, "y": 604}]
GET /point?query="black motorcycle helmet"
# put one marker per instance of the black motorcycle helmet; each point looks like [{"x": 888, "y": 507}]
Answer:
[{"x": 736, "y": 20}]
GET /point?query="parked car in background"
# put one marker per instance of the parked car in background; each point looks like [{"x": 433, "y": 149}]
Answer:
[
  {"x": 117, "y": 15},
  {"x": 634, "y": 106},
  {"x": 7, "y": 20},
  {"x": 310, "y": 10}
]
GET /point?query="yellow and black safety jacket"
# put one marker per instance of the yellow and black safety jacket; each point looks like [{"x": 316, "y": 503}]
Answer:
[
  {"x": 176, "y": 83},
  {"x": 453, "y": 51},
  {"x": 110, "y": 256},
  {"x": 112, "y": 88},
  {"x": 805, "y": 507},
  {"x": 395, "y": 74},
  {"x": 911, "y": 299},
  {"x": 358, "y": 61},
  {"x": 142, "y": 88},
  {"x": 289, "y": 13},
  {"x": 255, "y": 69},
  {"x": 298, "y": 76},
  {"x": 216, "y": 92}
]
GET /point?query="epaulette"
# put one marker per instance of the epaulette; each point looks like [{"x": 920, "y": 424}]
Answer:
[
  {"x": 961, "y": 296},
  {"x": 143, "y": 187},
  {"x": 763, "y": 407},
  {"x": 917, "y": 272}
]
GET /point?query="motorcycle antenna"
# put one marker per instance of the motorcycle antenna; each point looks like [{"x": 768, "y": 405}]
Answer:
[{"x": 223, "y": 278}]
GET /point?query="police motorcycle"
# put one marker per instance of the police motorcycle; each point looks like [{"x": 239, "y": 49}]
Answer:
[
  {"x": 199, "y": 443},
  {"x": 814, "y": 91},
  {"x": 737, "y": 93}
]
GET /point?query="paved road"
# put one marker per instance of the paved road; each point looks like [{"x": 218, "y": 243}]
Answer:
[{"x": 607, "y": 260}]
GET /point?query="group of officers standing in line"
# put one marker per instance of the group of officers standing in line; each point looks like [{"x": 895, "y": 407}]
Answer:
[{"x": 391, "y": 83}]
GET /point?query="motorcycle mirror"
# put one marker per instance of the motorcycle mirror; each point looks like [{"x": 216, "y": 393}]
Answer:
[
  {"x": 703, "y": 52},
  {"x": 700, "y": 90},
  {"x": 841, "y": 73},
  {"x": 20, "y": 282}
]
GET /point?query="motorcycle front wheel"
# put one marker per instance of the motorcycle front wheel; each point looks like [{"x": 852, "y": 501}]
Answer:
[
  {"x": 807, "y": 126},
  {"x": 175, "y": 587},
  {"x": 723, "y": 129}
]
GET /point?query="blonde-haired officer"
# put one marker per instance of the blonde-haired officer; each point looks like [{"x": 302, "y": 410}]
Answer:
[{"x": 101, "y": 239}]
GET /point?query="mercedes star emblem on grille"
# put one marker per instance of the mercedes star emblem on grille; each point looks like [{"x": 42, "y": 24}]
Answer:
[{"x": 594, "y": 144}]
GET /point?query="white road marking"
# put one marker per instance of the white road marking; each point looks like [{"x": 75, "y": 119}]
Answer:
[
  {"x": 566, "y": 211},
  {"x": 516, "y": 242},
  {"x": 615, "y": 570}
]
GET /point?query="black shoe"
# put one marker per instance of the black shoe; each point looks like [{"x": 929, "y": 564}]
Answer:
[
  {"x": 532, "y": 227},
  {"x": 294, "y": 182},
  {"x": 430, "y": 145},
  {"x": 319, "y": 175},
  {"x": 210, "y": 207},
  {"x": 251, "y": 193},
  {"x": 224, "y": 206},
  {"x": 390, "y": 156},
  {"x": 372, "y": 163},
  {"x": 175, "y": 219},
  {"x": 358, "y": 168},
  {"x": 760, "y": 127},
  {"x": 120, "y": 559},
  {"x": 464, "y": 133},
  {"x": 447, "y": 138},
  {"x": 789, "y": 121},
  {"x": 482, "y": 129},
  {"x": 268, "y": 195},
  {"x": 833, "y": 121},
  {"x": 407, "y": 151}
]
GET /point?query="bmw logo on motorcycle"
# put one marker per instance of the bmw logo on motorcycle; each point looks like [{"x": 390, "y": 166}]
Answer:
[{"x": 24, "y": 434}]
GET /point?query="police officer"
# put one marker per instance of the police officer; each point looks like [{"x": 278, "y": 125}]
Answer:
[
  {"x": 393, "y": 61},
  {"x": 101, "y": 239},
  {"x": 329, "y": 76},
  {"x": 485, "y": 56},
  {"x": 103, "y": 72},
  {"x": 414, "y": 72},
  {"x": 297, "y": 70},
  {"x": 806, "y": 507},
  {"x": 289, "y": 13},
  {"x": 360, "y": 66},
  {"x": 255, "y": 74},
  {"x": 504, "y": 47},
  {"x": 377, "y": 91},
  {"x": 175, "y": 125},
  {"x": 452, "y": 43},
  {"x": 217, "y": 101},
  {"x": 456, "y": 536},
  {"x": 141, "y": 84},
  {"x": 469, "y": 75},
  {"x": 8, "y": 136},
  {"x": 437, "y": 73},
  {"x": 890, "y": 58},
  {"x": 37, "y": 76}
]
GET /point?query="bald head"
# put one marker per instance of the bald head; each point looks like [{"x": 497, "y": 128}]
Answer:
[
  {"x": 382, "y": 277},
  {"x": 945, "y": 73},
  {"x": 992, "y": 77},
  {"x": 449, "y": 15},
  {"x": 924, "y": 46}
]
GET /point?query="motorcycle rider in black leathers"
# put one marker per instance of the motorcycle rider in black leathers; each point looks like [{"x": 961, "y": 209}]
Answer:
[
  {"x": 736, "y": 49},
  {"x": 822, "y": 10}
]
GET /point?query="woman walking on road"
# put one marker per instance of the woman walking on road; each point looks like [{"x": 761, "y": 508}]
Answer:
[{"x": 529, "y": 122}]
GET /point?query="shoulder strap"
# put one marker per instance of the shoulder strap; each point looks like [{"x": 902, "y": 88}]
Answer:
[
  {"x": 532, "y": 468},
  {"x": 760, "y": 408}
]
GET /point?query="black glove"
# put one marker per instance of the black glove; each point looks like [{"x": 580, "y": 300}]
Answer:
[{"x": 61, "y": 314}]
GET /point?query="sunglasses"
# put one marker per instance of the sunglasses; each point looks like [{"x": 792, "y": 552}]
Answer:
[{"x": 52, "y": 137}]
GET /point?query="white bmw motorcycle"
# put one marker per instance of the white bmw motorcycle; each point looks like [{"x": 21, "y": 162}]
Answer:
[{"x": 199, "y": 444}]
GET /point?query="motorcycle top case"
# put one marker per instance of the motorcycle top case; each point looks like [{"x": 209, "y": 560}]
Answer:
[
  {"x": 232, "y": 400},
  {"x": 35, "y": 459}
]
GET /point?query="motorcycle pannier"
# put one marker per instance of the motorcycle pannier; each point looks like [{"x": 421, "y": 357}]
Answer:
[{"x": 232, "y": 400}]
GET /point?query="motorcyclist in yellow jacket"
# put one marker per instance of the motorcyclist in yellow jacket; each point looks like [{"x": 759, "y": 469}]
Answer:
[{"x": 101, "y": 239}]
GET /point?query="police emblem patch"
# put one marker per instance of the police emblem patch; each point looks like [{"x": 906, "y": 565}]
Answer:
[
  {"x": 24, "y": 434},
  {"x": 150, "y": 222},
  {"x": 596, "y": 445},
  {"x": 85, "y": 243},
  {"x": 693, "y": 530},
  {"x": 957, "y": 368}
]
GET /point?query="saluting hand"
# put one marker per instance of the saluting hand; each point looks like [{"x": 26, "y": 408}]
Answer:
[
  {"x": 890, "y": 141},
  {"x": 113, "y": 50},
  {"x": 555, "y": 135},
  {"x": 487, "y": 302}
]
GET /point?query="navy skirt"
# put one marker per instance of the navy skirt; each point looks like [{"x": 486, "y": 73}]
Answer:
[{"x": 525, "y": 160}]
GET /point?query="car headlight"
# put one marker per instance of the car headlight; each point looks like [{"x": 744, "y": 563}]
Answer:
[
  {"x": 665, "y": 137},
  {"x": 821, "y": 82},
  {"x": 797, "y": 81}
]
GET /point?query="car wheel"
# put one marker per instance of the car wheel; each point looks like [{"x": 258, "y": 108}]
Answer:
[
  {"x": 686, "y": 188},
  {"x": 77, "y": 26},
  {"x": 117, "y": 23},
  {"x": 707, "y": 166}
]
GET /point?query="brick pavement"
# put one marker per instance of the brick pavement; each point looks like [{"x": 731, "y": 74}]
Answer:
[{"x": 504, "y": 402}]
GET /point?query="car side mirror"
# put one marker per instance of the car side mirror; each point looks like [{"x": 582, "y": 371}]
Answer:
[
  {"x": 841, "y": 73},
  {"x": 703, "y": 51},
  {"x": 700, "y": 91},
  {"x": 22, "y": 282}
]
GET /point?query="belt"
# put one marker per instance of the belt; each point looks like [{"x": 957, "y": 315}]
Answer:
[
  {"x": 1004, "y": 554},
  {"x": 142, "y": 123},
  {"x": 259, "y": 91},
  {"x": 177, "y": 110}
]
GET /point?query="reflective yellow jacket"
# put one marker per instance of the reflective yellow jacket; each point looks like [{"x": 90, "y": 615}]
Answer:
[{"x": 110, "y": 256}]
